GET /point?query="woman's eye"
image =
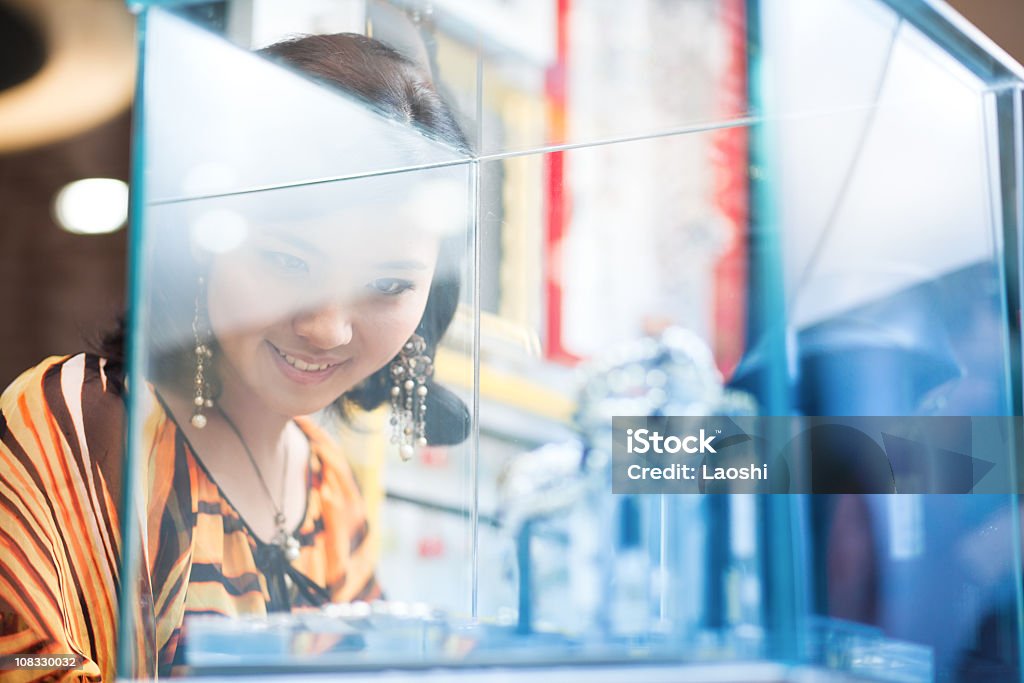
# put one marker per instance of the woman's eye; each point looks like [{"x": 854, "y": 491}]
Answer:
[
  {"x": 390, "y": 285},
  {"x": 286, "y": 262}
]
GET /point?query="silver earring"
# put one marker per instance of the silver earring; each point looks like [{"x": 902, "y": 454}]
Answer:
[
  {"x": 203, "y": 353},
  {"x": 410, "y": 370}
]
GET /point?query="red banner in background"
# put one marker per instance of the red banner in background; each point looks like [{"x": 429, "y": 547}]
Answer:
[
  {"x": 730, "y": 194},
  {"x": 730, "y": 161},
  {"x": 557, "y": 201}
]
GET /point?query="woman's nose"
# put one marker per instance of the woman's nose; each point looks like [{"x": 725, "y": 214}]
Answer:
[{"x": 325, "y": 328}]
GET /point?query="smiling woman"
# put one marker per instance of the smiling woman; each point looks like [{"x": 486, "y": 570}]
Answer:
[{"x": 263, "y": 309}]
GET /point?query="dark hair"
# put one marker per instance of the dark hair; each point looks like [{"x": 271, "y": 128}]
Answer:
[
  {"x": 377, "y": 74},
  {"x": 395, "y": 87}
]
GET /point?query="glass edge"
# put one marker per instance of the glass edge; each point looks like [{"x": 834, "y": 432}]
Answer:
[
  {"x": 140, "y": 5},
  {"x": 129, "y": 527},
  {"x": 962, "y": 39},
  {"x": 474, "y": 212},
  {"x": 1011, "y": 141}
]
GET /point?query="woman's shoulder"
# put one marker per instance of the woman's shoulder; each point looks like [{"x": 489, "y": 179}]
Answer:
[
  {"x": 59, "y": 422},
  {"x": 330, "y": 467},
  {"x": 78, "y": 388},
  {"x": 67, "y": 404},
  {"x": 322, "y": 445},
  {"x": 77, "y": 378}
]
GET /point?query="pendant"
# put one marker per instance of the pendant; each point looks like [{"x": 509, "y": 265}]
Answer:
[
  {"x": 291, "y": 548},
  {"x": 288, "y": 544}
]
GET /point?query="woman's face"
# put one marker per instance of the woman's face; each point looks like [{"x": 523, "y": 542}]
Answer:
[{"x": 302, "y": 314}]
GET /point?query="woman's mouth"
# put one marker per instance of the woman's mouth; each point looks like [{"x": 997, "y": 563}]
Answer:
[{"x": 300, "y": 370}]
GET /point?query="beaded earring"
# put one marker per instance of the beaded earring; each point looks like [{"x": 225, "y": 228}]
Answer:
[
  {"x": 410, "y": 370},
  {"x": 203, "y": 394}
]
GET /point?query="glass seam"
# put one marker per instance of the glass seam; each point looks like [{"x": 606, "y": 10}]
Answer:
[
  {"x": 851, "y": 171},
  {"x": 475, "y": 429}
]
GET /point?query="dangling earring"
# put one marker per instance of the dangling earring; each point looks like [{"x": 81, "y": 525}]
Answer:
[
  {"x": 410, "y": 370},
  {"x": 201, "y": 335}
]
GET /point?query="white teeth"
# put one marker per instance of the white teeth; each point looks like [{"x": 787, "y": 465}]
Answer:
[{"x": 300, "y": 364}]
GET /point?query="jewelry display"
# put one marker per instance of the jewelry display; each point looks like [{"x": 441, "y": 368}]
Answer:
[{"x": 410, "y": 370}]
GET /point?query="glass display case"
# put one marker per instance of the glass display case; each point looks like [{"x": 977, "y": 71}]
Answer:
[{"x": 787, "y": 209}]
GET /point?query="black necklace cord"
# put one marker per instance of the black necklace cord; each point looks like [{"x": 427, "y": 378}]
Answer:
[{"x": 272, "y": 558}]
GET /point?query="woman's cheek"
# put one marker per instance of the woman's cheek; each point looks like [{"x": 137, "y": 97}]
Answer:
[
  {"x": 241, "y": 300},
  {"x": 391, "y": 326}
]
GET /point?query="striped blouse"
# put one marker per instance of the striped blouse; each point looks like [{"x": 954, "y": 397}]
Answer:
[{"x": 61, "y": 436}]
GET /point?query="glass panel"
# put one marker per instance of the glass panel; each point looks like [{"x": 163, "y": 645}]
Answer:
[
  {"x": 889, "y": 269},
  {"x": 840, "y": 213},
  {"x": 649, "y": 234},
  {"x": 306, "y": 130},
  {"x": 277, "y": 317},
  {"x": 553, "y": 276},
  {"x": 560, "y": 76},
  {"x": 526, "y": 74},
  {"x": 850, "y": 41},
  {"x": 895, "y": 289}
]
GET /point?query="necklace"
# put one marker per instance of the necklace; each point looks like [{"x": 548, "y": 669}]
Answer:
[{"x": 288, "y": 544}]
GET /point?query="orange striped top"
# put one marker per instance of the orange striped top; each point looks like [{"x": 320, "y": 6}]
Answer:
[{"x": 61, "y": 435}]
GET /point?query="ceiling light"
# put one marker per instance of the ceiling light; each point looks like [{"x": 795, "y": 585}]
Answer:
[{"x": 94, "y": 206}]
